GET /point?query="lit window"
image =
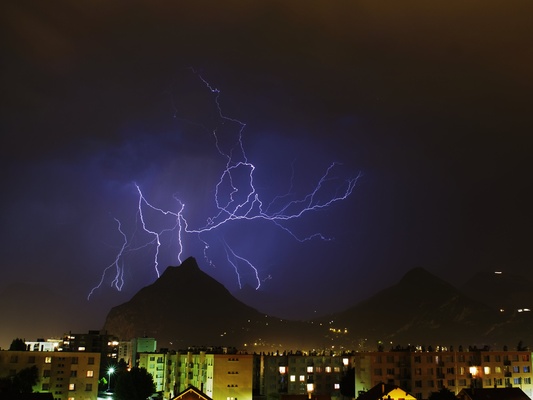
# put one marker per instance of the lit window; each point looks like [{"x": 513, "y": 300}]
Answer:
[
  {"x": 486, "y": 370},
  {"x": 71, "y": 386},
  {"x": 310, "y": 387},
  {"x": 90, "y": 374},
  {"x": 48, "y": 360},
  {"x": 293, "y": 378},
  {"x": 337, "y": 386},
  {"x": 302, "y": 378},
  {"x": 310, "y": 369},
  {"x": 81, "y": 348},
  {"x": 345, "y": 362},
  {"x": 328, "y": 369},
  {"x": 282, "y": 369},
  {"x": 498, "y": 370}
]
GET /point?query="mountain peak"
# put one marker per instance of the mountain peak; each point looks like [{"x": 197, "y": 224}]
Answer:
[
  {"x": 420, "y": 277},
  {"x": 417, "y": 273},
  {"x": 189, "y": 263}
]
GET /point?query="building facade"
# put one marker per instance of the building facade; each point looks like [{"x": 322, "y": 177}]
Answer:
[
  {"x": 301, "y": 374},
  {"x": 424, "y": 372},
  {"x": 220, "y": 375},
  {"x": 67, "y": 375},
  {"x": 162, "y": 366}
]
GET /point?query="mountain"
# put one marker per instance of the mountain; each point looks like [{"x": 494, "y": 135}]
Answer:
[
  {"x": 501, "y": 290},
  {"x": 511, "y": 296},
  {"x": 423, "y": 309},
  {"x": 186, "y": 307}
]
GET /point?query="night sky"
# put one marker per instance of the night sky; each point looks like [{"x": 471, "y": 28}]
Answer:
[{"x": 428, "y": 103}]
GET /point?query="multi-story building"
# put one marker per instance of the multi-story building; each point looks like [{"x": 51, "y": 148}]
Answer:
[
  {"x": 93, "y": 341},
  {"x": 220, "y": 374},
  {"x": 129, "y": 350},
  {"x": 217, "y": 372},
  {"x": 224, "y": 374},
  {"x": 301, "y": 374},
  {"x": 67, "y": 375},
  {"x": 162, "y": 367},
  {"x": 44, "y": 345},
  {"x": 424, "y": 372}
]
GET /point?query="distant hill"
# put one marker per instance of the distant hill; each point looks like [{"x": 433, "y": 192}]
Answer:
[
  {"x": 186, "y": 307},
  {"x": 423, "y": 309},
  {"x": 511, "y": 296},
  {"x": 500, "y": 290},
  {"x": 419, "y": 309}
]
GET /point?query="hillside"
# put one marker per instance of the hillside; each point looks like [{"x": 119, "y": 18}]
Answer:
[{"x": 186, "y": 307}]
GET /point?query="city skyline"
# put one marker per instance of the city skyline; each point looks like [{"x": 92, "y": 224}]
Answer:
[{"x": 430, "y": 124}]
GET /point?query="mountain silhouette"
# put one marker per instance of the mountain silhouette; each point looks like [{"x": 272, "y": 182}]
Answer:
[
  {"x": 501, "y": 290},
  {"x": 424, "y": 309},
  {"x": 186, "y": 307}
]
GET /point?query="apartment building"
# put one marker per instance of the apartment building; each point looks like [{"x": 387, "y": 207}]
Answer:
[
  {"x": 423, "y": 372},
  {"x": 67, "y": 375},
  {"x": 129, "y": 351},
  {"x": 301, "y": 374},
  {"x": 162, "y": 366},
  {"x": 219, "y": 374},
  {"x": 230, "y": 375}
]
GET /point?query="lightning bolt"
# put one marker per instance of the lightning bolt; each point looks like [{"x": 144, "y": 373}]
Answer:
[
  {"x": 118, "y": 281},
  {"x": 236, "y": 199}
]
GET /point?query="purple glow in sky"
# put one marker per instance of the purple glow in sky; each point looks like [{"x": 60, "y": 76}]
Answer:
[
  {"x": 236, "y": 198},
  {"x": 97, "y": 99}
]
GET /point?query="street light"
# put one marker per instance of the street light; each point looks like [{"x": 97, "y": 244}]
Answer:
[{"x": 110, "y": 371}]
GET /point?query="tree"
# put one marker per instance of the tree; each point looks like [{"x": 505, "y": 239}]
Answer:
[
  {"x": 348, "y": 383},
  {"x": 520, "y": 346},
  {"x": 442, "y": 394},
  {"x": 136, "y": 384},
  {"x": 18, "y": 345},
  {"x": 22, "y": 382}
]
